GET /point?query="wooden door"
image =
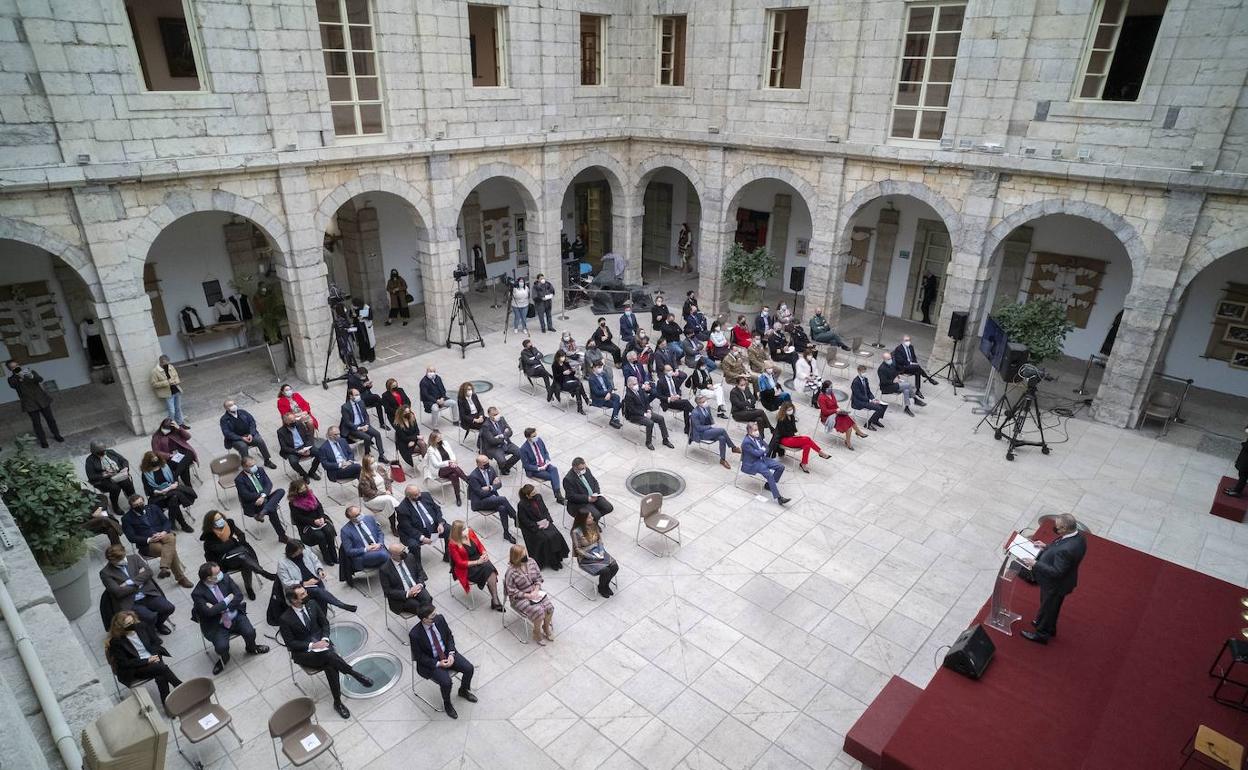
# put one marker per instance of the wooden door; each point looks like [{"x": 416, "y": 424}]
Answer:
[{"x": 656, "y": 240}]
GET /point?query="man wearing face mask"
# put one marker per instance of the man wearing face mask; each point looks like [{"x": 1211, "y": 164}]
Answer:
[
  {"x": 483, "y": 495},
  {"x": 861, "y": 397},
  {"x": 637, "y": 411},
  {"x": 354, "y": 425},
  {"x": 167, "y": 385},
  {"x": 602, "y": 393},
  {"x": 584, "y": 492},
  {"x": 337, "y": 458},
  {"x": 240, "y": 432},
  {"x": 888, "y": 374},
  {"x": 257, "y": 496},
  {"x": 305, "y": 632},
  {"x": 630, "y": 327},
  {"x": 358, "y": 380},
  {"x": 670, "y": 395},
  {"x": 543, "y": 299},
  {"x": 821, "y": 331},
  {"x": 420, "y": 520},
  {"x": 1241, "y": 465},
  {"x": 433, "y": 395},
  {"x": 130, "y": 585},
  {"x": 496, "y": 441},
  {"x": 147, "y": 526},
  {"x": 109, "y": 472},
  {"x": 536, "y": 461},
  {"x": 602, "y": 337},
  {"x": 907, "y": 361},
  {"x": 295, "y": 445},
  {"x": 403, "y": 581},
  {"x": 222, "y": 613},
  {"x": 35, "y": 401}
]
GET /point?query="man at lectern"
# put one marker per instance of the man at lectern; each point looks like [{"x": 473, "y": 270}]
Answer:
[{"x": 1056, "y": 569}]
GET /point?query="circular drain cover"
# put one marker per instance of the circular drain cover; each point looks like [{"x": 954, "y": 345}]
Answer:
[
  {"x": 383, "y": 668},
  {"x": 348, "y": 637},
  {"x": 646, "y": 482},
  {"x": 482, "y": 386}
]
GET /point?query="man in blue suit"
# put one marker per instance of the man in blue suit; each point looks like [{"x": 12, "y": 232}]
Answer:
[
  {"x": 537, "y": 464},
  {"x": 703, "y": 429},
  {"x": 238, "y": 429},
  {"x": 362, "y": 541},
  {"x": 635, "y": 369},
  {"x": 222, "y": 613},
  {"x": 337, "y": 459},
  {"x": 602, "y": 392},
  {"x": 257, "y": 496},
  {"x": 419, "y": 519},
  {"x": 629, "y": 327},
  {"x": 861, "y": 397},
  {"x": 354, "y": 424},
  {"x": 755, "y": 462},
  {"x": 763, "y": 322}
]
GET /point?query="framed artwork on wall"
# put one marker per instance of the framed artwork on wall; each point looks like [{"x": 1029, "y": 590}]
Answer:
[
  {"x": 1239, "y": 359},
  {"x": 803, "y": 247},
  {"x": 1236, "y": 334},
  {"x": 1229, "y": 310}
]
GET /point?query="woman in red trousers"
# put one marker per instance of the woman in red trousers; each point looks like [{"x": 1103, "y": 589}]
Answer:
[{"x": 786, "y": 432}]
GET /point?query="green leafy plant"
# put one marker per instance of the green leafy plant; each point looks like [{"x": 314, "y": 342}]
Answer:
[
  {"x": 269, "y": 310},
  {"x": 1041, "y": 325},
  {"x": 48, "y": 502},
  {"x": 744, "y": 270}
]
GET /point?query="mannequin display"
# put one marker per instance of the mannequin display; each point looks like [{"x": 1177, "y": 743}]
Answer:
[
  {"x": 478, "y": 268},
  {"x": 242, "y": 307},
  {"x": 224, "y": 311},
  {"x": 92, "y": 342},
  {"x": 188, "y": 317}
]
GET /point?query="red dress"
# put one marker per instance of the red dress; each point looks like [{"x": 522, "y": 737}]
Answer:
[
  {"x": 284, "y": 406},
  {"x": 741, "y": 336},
  {"x": 460, "y": 558},
  {"x": 828, "y": 405}
]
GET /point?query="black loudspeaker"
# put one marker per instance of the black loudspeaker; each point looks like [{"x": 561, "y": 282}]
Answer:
[
  {"x": 1016, "y": 354},
  {"x": 797, "y": 278},
  {"x": 970, "y": 654},
  {"x": 957, "y": 325}
]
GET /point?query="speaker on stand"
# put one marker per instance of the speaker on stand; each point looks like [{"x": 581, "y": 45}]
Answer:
[
  {"x": 797, "y": 282},
  {"x": 957, "y": 331}
]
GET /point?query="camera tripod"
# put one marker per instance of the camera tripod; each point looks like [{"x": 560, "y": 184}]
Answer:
[
  {"x": 461, "y": 316},
  {"x": 1014, "y": 418},
  {"x": 343, "y": 337},
  {"x": 954, "y": 375}
]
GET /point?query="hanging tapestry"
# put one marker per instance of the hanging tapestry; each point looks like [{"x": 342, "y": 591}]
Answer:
[
  {"x": 496, "y": 234},
  {"x": 1072, "y": 281},
  {"x": 29, "y": 324}
]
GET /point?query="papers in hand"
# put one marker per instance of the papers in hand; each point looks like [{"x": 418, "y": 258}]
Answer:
[
  {"x": 1022, "y": 549},
  {"x": 208, "y": 721},
  {"x": 310, "y": 742},
  {"x": 540, "y": 596},
  {"x": 176, "y": 457}
]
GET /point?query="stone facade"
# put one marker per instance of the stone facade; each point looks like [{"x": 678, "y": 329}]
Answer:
[{"x": 95, "y": 166}]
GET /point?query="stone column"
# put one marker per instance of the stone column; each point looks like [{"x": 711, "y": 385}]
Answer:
[
  {"x": 1014, "y": 251},
  {"x": 439, "y": 262},
  {"x": 716, "y": 234},
  {"x": 304, "y": 278},
  {"x": 1146, "y": 316},
  {"x": 781, "y": 215},
  {"x": 825, "y": 270},
  {"x": 882, "y": 262},
  {"x": 968, "y": 273},
  {"x": 544, "y": 254}
]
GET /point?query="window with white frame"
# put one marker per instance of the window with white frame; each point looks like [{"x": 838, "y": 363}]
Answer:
[
  {"x": 166, "y": 44},
  {"x": 487, "y": 45},
  {"x": 786, "y": 47},
  {"x": 350, "y": 51},
  {"x": 671, "y": 50},
  {"x": 593, "y": 50},
  {"x": 928, "y": 55},
  {"x": 1120, "y": 48}
]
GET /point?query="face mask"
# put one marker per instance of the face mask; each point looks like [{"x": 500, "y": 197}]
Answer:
[
  {"x": 597, "y": 370},
  {"x": 432, "y": 374},
  {"x": 888, "y": 359},
  {"x": 166, "y": 431},
  {"x": 233, "y": 410},
  {"x": 250, "y": 469},
  {"x": 218, "y": 524},
  {"x": 99, "y": 453},
  {"x": 356, "y": 399},
  {"x": 286, "y": 393},
  {"x": 129, "y": 624}
]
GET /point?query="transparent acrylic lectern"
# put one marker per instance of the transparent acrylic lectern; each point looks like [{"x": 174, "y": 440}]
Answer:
[{"x": 1000, "y": 618}]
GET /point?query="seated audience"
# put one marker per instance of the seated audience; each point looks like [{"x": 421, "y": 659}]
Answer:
[
  {"x": 889, "y": 374},
  {"x": 736, "y": 365},
  {"x": 861, "y": 397},
  {"x": 257, "y": 496},
  {"x": 302, "y": 569},
  {"x": 755, "y": 462},
  {"x": 533, "y": 364},
  {"x": 630, "y": 327},
  {"x": 470, "y": 562},
  {"x": 637, "y": 411},
  {"x": 523, "y": 584},
  {"x": 135, "y": 653},
  {"x": 834, "y": 418},
  {"x": 703, "y": 429},
  {"x": 671, "y": 397},
  {"x": 433, "y": 398},
  {"x": 536, "y": 462},
  {"x": 757, "y": 355},
  {"x": 602, "y": 393},
  {"x": 435, "y": 656},
  {"x": 363, "y": 543},
  {"x": 240, "y": 433},
  {"x": 591, "y": 555},
  {"x": 787, "y": 436},
  {"x": 484, "y": 491},
  {"x": 570, "y": 351},
  {"x": 337, "y": 458},
  {"x": 822, "y": 333},
  {"x": 292, "y": 402},
  {"x": 100, "y": 521},
  {"x": 222, "y": 613},
  {"x": 131, "y": 586},
  {"x": 311, "y": 522},
  {"x": 603, "y": 340},
  {"x": 358, "y": 380},
  {"x": 906, "y": 359},
  {"x": 407, "y": 436},
  {"x": 226, "y": 545},
  {"x": 296, "y": 444},
  {"x": 355, "y": 426},
  {"x": 403, "y": 581},
  {"x": 567, "y": 381},
  {"x": 305, "y": 632},
  {"x": 394, "y": 399},
  {"x": 807, "y": 373},
  {"x": 771, "y": 390},
  {"x": 701, "y": 383},
  {"x": 718, "y": 343},
  {"x": 584, "y": 492},
  {"x": 541, "y": 537},
  {"x": 109, "y": 472},
  {"x": 471, "y": 414},
  {"x": 376, "y": 488},
  {"x": 659, "y": 312},
  {"x": 164, "y": 489},
  {"x": 741, "y": 336},
  {"x": 781, "y": 348},
  {"x": 496, "y": 441},
  {"x": 419, "y": 520},
  {"x": 172, "y": 444},
  {"x": 148, "y": 527},
  {"x": 440, "y": 464},
  {"x": 745, "y": 406}
]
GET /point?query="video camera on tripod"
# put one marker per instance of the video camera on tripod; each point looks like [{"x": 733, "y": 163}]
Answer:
[
  {"x": 460, "y": 272},
  {"x": 342, "y": 316}
]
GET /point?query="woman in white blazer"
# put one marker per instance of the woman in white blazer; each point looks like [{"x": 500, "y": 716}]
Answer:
[{"x": 440, "y": 463}]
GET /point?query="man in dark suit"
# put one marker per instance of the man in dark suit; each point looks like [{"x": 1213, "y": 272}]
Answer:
[
  {"x": 496, "y": 441},
  {"x": 240, "y": 433},
  {"x": 358, "y": 379},
  {"x": 433, "y": 395},
  {"x": 534, "y": 365},
  {"x": 257, "y": 496},
  {"x": 861, "y": 397},
  {"x": 483, "y": 495},
  {"x": 305, "y": 632},
  {"x": 435, "y": 656},
  {"x": 690, "y": 305},
  {"x": 629, "y": 326},
  {"x": 744, "y": 406},
  {"x": 670, "y": 396},
  {"x": 889, "y": 374},
  {"x": 419, "y": 520},
  {"x": 602, "y": 393},
  {"x": 147, "y": 526},
  {"x": 637, "y": 411},
  {"x": 702, "y": 428},
  {"x": 362, "y": 541},
  {"x": 666, "y": 354},
  {"x": 354, "y": 425},
  {"x": 34, "y": 400},
  {"x": 109, "y": 472},
  {"x": 132, "y": 586},
  {"x": 1056, "y": 569},
  {"x": 222, "y": 613},
  {"x": 295, "y": 442},
  {"x": 763, "y": 322},
  {"x": 536, "y": 461},
  {"x": 584, "y": 492},
  {"x": 542, "y": 289},
  {"x": 1241, "y": 465},
  {"x": 403, "y": 581},
  {"x": 635, "y": 369},
  {"x": 337, "y": 458},
  {"x": 755, "y": 462},
  {"x": 907, "y": 361}
]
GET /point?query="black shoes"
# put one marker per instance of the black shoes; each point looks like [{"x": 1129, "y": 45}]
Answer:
[
  {"x": 560, "y": 499},
  {"x": 782, "y": 500},
  {"x": 218, "y": 667},
  {"x": 269, "y": 464},
  {"x": 164, "y": 629},
  {"x": 367, "y": 682},
  {"x": 59, "y": 439},
  {"x": 450, "y": 710},
  {"x": 314, "y": 476},
  {"x": 615, "y": 424},
  {"x": 919, "y": 401},
  {"x": 510, "y": 538},
  {"x": 351, "y": 607},
  {"x": 1032, "y": 636},
  {"x": 650, "y": 445},
  {"x": 259, "y": 649},
  {"x": 668, "y": 444},
  {"x": 341, "y": 708},
  {"x": 907, "y": 411},
  {"x": 251, "y": 593},
  {"x": 870, "y": 426},
  {"x": 187, "y": 529},
  {"x": 467, "y": 695}
]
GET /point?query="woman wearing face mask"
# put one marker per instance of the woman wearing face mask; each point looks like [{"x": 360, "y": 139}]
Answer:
[
  {"x": 227, "y": 545},
  {"x": 520, "y": 307},
  {"x": 396, "y": 290},
  {"x": 541, "y": 537},
  {"x": 375, "y": 488},
  {"x": 290, "y": 400},
  {"x": 172, "y": 440},
  {"x": 471, "y": 415},
  {"x": 440, "y": 463},
  {"x": 523, "y": 584},
  {"x": 407, "y": 436},
  {"x": 135, "y": 653},
  {"x": 701, "y": 384},
  {"x": 569, "y": 348},
  {"x": 311, "y": 522},
  {"x": 568, "y": 382},
  {"x": 719, "y": 344},
  {"x": 393, "y": 399},
  {"x": 163, "y": 488},
  {"x": 604, "y": 339},
  {"x": 593, "y": 357}
]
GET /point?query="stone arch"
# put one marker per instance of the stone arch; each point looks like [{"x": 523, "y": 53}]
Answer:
[
  {"x": 891, "y": 187},
  {"x": 767, "y": 171},
  {"x": 73, "y": 257},
  {"x": 367, "y": 183},
  {"x": 524, "y": 181},
  {"x": 613, "y": 170},
  {"x": 647, "y": 167},
  {"x": 1204, "y": 256},
  {"x": 183, "y": 202},
  {"x": 1115, "y": 223}
]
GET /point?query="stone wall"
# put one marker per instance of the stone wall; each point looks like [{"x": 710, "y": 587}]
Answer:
[{"x": 82, "y": 697}]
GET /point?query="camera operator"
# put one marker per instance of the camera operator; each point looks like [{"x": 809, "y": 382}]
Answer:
[{"x": 35, "y": 401}]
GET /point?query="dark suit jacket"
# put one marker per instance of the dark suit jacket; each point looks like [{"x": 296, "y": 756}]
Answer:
[
  {"x": 888, "y": 374},
  {"x": 353, "y": 544},
  {"x": 531, "y": 362},
  {"x": 286, "y": 443},
  {"x": 123, "y": 595},
  {"x": 634, "y": 370},
  {"x": 1057, "y": 567},
  {"x": 208, "y": 611},
  {"x": 496, "y": 437},
  {"x": 347, "y": 416},
  {"x": 635, "y": 405},
  {"x": 629, "y": 327},
  {"x": 700, "y": 422},
  {"x": 658, "y": 314},
  {"x": 410, "y": 528},
  {"x": 356, "y": 382},
  {"x": 529, "y": 460},
  {"x": 30, "y": 393},
  {"x": 761, "y": 325},
  {"x": 392, "y": 584},
  {"x": 139, "y": 525},
  {"x": 235, "y": 426},
  {"x": 860, "y": 395},
  {"x": 326, "y": 452},
  {"x": 476, "y": 487},
  {"x": 1241, "y": 462},
  {"x": 391, "y": 404},
  {"x": 124, "y": 658},
  {"x": 741, "y": 400},
  {"x": 247, "y": 494},
  {"x": 431, "y": 391},
  {"x": 295, "y": 635},
  {"x": 664, "y": 393},
  {"x": 575, "y": 490},
  {"x": 903, "y": 359},
  {"x": 94, "y": 466},
  {"x": 603, "y": 390},
  {"x": 422, "y": 650}
]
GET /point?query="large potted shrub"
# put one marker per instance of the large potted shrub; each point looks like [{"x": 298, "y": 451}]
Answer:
[
  {"x": 49, "y": 502},
  {"x": 1041, "y": 325},
  {"x": 269, "y": 313},
  {"x": 745, "y": 274}
]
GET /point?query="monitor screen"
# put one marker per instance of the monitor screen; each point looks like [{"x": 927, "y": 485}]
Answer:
[{"x": 994, "y": 343}]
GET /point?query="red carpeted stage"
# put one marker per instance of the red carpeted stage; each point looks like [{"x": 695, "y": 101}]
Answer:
[{"x": 1124, "y": 685}]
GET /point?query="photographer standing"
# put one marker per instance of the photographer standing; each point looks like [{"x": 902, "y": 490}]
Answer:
[
  {"x": 35, "y": 401},
  {"x": 520, "y": 306},
  {"x": 543, "y": 298}
]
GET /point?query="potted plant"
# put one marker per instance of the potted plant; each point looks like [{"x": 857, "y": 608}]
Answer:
[
  {"x": 48, "y": 502},
  {"x": 745, "y": 273},
  {"x": 1041, "y": 325},
  {"x": 269, "y": 313}
]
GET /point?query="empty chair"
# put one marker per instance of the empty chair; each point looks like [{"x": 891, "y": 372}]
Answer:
[
  {"x": 651, "y": 514},
  {"x": 193, "y": 704},
  {"x": 293, "y": 725},
  {"x": 1162, "y": 405},
  {"x": 223, "y": 470}
]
